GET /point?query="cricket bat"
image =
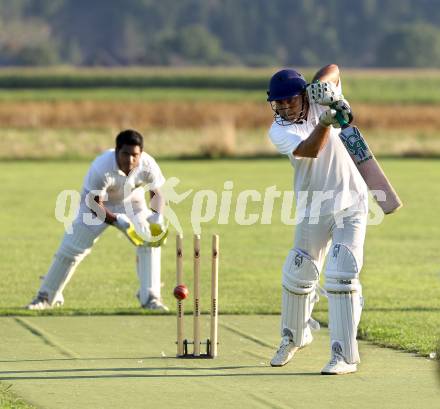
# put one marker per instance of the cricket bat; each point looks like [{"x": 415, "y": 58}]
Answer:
[{"x": 369, "y": 168}]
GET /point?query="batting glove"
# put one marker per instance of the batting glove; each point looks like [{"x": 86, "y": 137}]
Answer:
[
  {"x": 344, "y": 114},
  {"x": 328, "y": 118},
  {"x": 323, "y": 93}
]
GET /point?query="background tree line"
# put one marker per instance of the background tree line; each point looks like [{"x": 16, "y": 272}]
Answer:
[{"x": 362, "y": 33}]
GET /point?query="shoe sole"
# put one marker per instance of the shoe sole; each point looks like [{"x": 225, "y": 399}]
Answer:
[
  {"x": 51, "y": 307},
  {"x": 338, "y": 373},
  {"x": 277, "y": 366},
  {"x": 144, "y": 307}
]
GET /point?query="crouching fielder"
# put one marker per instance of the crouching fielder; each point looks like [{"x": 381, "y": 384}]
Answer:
[
  {"x": 113, "y": 195},
  {"x": 332, "y": 205}
]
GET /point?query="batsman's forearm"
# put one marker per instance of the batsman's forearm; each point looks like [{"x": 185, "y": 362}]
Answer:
[
  {"x": 310, "y": 147},
  {"x": 329, "y": 73}
]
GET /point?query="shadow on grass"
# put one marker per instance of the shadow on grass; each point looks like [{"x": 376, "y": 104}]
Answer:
[
  {"x": 160, "y": 368},
  {"x": 188, "y": 372},
  {"x": 87, "y": 359},
  {"x": 136, "y": 311},
  {"x": 402, "y": 309},
  {"x": 164, "y": 376}
]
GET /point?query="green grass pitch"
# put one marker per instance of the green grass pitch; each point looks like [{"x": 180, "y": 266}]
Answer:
[{"x": 118, "y": 362}]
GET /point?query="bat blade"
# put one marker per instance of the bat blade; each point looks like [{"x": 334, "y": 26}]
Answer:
[{"x": 370, "y": 170}]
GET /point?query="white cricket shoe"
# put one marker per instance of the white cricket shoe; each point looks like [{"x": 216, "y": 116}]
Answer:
[
  {"x": 41, "y": 302},
  {"x": 285, "y": 352},
  {"x": 287, "y": 348},
  {"x": 337, "y": 364},
  {"x": 153, "y": 303},
  {"x": 156, "y": 304}
]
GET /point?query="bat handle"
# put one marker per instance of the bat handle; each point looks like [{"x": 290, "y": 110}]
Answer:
[
  {"x": 340, "y": 118},
  {"x": 344, "y": 124}
]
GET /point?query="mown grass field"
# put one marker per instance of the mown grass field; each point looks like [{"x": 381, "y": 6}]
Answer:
[
  {"x": 386, "y": 91},
  {"x": 131, "y": 94},
  {"x": 400, "y": 276},
  {"x": 228, "y": 84},
  {"x": 219, "y": 140}
]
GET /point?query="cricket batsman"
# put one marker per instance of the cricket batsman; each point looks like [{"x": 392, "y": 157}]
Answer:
[
  {"x": 113, "y": 195},
  {"x": 331, "y": 208}
]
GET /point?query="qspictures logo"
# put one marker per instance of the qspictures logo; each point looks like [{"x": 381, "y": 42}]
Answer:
[{"x": 246, "y": 207}]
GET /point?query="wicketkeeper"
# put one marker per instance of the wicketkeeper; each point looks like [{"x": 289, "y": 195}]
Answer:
[
  {"x": 114, "y": 195},
  {"x": 332, "y": 206}
]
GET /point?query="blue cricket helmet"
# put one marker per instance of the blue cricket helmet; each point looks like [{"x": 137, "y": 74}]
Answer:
[{"x": 286, "y": 84}]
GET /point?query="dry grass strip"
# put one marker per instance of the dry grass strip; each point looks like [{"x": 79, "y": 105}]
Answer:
[{"x": 192, "y": 115}]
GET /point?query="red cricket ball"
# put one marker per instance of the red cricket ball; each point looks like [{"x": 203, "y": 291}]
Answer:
[{"x": 181, "y": 292}]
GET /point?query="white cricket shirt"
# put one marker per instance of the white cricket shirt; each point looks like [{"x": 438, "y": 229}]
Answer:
[
  {"x": 333, "y": 172},
  {"x": 105, "y": 176}
]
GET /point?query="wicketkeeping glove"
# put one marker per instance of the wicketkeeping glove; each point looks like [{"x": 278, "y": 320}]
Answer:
[
  {"x": 159, "y": 230},
  {"x": 124, "y": 224},
  {"x": 323, "y": 93}
]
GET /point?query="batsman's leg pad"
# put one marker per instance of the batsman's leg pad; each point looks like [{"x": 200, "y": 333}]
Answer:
[
  {"x": 300, "y": 273},
  {"x": 345, "y": 300},
  {"x": 71, "y": 252},
  {"x": 300, "y": 277},
  {"x": 296, "y": 316},
  {"x": 148, "y": 271}
]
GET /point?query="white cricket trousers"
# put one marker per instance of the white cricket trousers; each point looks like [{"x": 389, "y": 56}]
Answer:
[{"x": 86, "y": 230}]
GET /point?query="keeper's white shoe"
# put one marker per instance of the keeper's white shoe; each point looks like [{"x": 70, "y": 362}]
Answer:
[
  {"x": 41, "y": 302},
  {"x": 337, "y": 365},
  {"x": 156, "y": 304},
  {"x": 285, "y": 352},
  {"x": 153, "y": 303}
]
